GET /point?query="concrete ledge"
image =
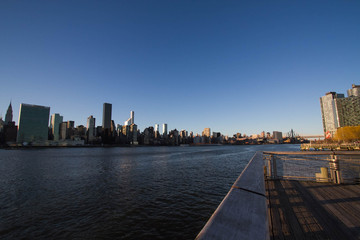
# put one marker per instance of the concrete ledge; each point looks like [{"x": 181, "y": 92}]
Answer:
[{"x": 243, "y": 212}]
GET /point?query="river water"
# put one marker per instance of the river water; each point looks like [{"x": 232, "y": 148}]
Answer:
[{"x": 116, "y": 193}]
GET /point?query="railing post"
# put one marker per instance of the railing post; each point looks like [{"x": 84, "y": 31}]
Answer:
[
  {"x": 335, "y": 169},
  {"x": 269, "y": 165},
  {"x": 274, "y": 166}
]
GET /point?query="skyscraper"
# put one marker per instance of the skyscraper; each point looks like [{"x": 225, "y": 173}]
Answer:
[
  {"x": 33, "y": 123},
  {"x": 329, "y": 112},
  {"x": 9, "y": 115},
  {"x": 165, "y": 131},
  {"x": 106, "y": 120},
  {"x": 131, "y": 120},
  {"x": 156, "y": 128},
  {"x": 338, "y": 111},
  {"x": 55, "y": 122},
  {"x": 91, "y": 128}
]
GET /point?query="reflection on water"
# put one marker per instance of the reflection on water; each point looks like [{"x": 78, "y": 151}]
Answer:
[{"x": 123, "y": 193}]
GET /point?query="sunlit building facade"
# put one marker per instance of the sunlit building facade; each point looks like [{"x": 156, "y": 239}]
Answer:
[
  {"x": 165, "y": 130},
  {"x": 338, "y": 111},
  {"x": 329, "y": 112}
]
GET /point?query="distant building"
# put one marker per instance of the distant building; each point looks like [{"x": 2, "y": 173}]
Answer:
[
  {"x": 64, "y": 132},
  {"x": 131, "y": 120},
  {"x": 106, "y": 120},
  {"x": 216, "y": 134},
  {"x": 70, "y": 124},
  {"x": 55, "y": 122},
  {"x": 9, "y": 115},
  {"x": 133, "y": 133},
  {"x": 90, "y": 126},
  {"x": 262, "y": 135},
  {"x": 10, "y": 132},
  {"x": 206, "y": 132},
  {"x": 156, "y": 128},
  {"x": 165, "y": 131},
  {"x": 33, "y": 123},
  {"x": 277, "y": 136}
]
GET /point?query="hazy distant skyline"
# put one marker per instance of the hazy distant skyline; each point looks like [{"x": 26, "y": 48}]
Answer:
[{"x": 234, "y": 66}]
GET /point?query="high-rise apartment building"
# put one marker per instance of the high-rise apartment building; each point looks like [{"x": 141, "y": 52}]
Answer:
[
  {"x": 338, "y": 111},
  {"x": 106, "y": 120},
  {"x": 33, "y": 123},
  {"x": 55, "y": 122},
  {"x": 329, "y": 112}
]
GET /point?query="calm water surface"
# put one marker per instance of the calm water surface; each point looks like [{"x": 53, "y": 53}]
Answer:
[{"x": 116, "y": 193}]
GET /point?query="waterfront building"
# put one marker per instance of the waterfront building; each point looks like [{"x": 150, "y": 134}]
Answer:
[
  {"x": 277, "y": 136},
  {"x": 149, "y": 136},
  {"x": 9, "y": 115},
  {"x": 206, "y": 132},
  {"x": 165, "y": 131},
  {"x": 156, "y": 128},
  {"x": 329, "y": 112},
  {"x": 90, "y": 126},
  {"x": 55, "y": 122},
  {"x": 174, "y": 137},
  {"x": 9, "y": 132},
  {"x": 131, "y": 120},
  {"x": 216, "y": 134},
  {"x": 64, "y": 133},
  {"x": 338, "y": 111},
  {"x": 33, "y": 123},
  {"x": 133, "y": 133},
  {"x": 70, "y": 124},
  {"x": 126, "y": 131},
  {"x": 354, "y": 91},
  {"x": 262, "y": 135},
  {"x": 106, "y": 120}
]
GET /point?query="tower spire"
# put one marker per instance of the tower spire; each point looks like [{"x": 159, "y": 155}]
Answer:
[{"x": 9, "y": 114}]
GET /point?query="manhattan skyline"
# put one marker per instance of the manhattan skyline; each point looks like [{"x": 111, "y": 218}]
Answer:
[{"x": 234, "y": 67}]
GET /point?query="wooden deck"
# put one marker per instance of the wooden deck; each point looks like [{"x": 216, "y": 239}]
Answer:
[{"x": 310, "y": 210}]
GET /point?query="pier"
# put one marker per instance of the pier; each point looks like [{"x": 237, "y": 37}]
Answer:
[{"x": 291, "y": 195}]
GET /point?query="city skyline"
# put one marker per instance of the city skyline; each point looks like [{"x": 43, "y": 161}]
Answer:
[{"x": 234, "y": 67}]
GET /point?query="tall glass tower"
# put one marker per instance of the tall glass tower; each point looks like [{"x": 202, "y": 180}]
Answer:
[{"x": 106, "y": 120}]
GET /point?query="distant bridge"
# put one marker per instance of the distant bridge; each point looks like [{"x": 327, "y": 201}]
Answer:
[{"x": 313, "y": 136}]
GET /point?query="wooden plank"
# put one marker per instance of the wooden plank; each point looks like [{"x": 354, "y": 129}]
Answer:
[
  {"x": 330, "y": 223},
  {"x": 276, "y": 231},
  {"x": 243, "y": 213},
  {"x": 322, "y": 210},
  {"x": 343, "y": 204}
]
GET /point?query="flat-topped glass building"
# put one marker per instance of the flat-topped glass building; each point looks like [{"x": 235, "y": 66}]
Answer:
[{"x": 33, "y": 123}]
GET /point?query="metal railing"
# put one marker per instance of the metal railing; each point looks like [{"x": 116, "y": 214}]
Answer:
[{"x": 325, "y": 166}]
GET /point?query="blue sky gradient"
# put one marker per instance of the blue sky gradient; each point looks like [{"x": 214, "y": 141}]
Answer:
[{"x": 233, "y": 66}]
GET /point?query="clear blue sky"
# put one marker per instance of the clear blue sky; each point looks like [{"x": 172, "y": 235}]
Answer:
[{"x": 233, "y": 66}]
